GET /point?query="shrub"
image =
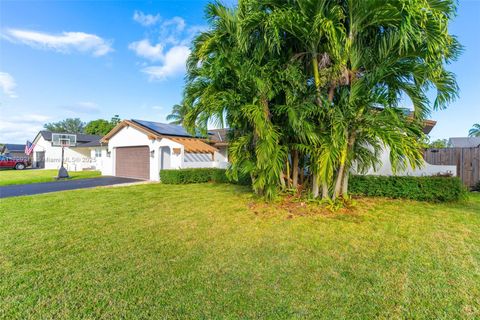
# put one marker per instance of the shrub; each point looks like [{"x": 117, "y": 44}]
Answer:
[
  {"x": 436, "y": 189},
  {"x": 197, "y": 175},
  {"x": 477, "y": 186}
]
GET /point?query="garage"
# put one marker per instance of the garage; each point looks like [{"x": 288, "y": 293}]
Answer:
[{"x": 132, "y": 162}]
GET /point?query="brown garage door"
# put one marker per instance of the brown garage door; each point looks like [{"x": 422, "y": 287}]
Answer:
[{"x": 132, "y": 162}]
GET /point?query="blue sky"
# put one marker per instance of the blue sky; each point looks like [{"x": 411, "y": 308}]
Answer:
[{"x": 95, "y": 59}]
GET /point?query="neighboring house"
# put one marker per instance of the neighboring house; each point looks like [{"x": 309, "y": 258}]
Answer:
[
  {"x": 86, "y": 155},
  {"x": 385, "y": 168},
  {"x": 219, "y": 139},
  {"x": 140, "y": 149},
  {"x": 13, "y": 150},
  {"x": 467, "y": 142}
]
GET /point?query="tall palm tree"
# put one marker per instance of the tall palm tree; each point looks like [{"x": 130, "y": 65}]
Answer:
[{"x": 475, "y": 131}]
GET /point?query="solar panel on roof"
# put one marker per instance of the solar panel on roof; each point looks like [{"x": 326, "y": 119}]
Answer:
[{"x": 164, "y": 128}]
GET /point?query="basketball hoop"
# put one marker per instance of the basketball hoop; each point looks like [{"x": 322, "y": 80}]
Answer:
[{"x": 63, "y": 140}]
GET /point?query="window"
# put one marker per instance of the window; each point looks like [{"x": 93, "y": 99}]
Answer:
[
  {"x": 98, "y": 153},
  {"x": 108, "y": 154}
]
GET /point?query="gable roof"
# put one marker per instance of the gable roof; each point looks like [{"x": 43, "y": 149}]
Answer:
[
  {"x": 464, "y": 142},
  {"x": 12, "y": 147},
  {"x": 47, "y": 135},
  {"x": 164, "y": 128},
  {"x": 157, "y": 130}
]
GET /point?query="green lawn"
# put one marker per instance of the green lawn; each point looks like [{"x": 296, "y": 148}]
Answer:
[
  {"x": 211, "y": 251},
  {"x": 9, "y": 177}
]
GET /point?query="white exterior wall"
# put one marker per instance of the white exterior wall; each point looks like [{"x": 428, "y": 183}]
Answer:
[
  {"x": 75, "y": 159},
  {"x": 103, "y": 163},
  {"x": 385, "y": 169},
  {"x": 219, "y": 162}
]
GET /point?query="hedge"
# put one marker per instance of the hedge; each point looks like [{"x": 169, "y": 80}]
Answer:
[
  {"x": 198, "y": 175},
  {"x": 436, "y": 189}
]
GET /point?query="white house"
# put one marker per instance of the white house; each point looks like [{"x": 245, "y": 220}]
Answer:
[
  {"x": 140, "y": 149},
  {"x": 88, "y": 154},
  {"x": 385, "y": 168}
]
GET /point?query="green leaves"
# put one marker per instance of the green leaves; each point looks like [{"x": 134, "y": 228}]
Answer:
[{"x": 324, "y": 78}]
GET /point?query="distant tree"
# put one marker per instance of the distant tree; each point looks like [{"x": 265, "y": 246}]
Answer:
[
  {"x": 101, "y": 126},
  {"x": 178, "y": 114},
  {"x": 69, "y": 125},
  {"x": 115, "y": 120},
  {"x": 438, "y": 144},
  {"x": 475, "y": 131}
]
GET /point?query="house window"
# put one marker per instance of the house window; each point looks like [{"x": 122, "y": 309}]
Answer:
[{"x": 98, "y": 153}]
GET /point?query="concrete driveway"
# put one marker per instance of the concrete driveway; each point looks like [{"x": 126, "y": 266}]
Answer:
[{"x": 46, "y": 187}]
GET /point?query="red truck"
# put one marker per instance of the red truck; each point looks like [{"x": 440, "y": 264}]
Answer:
[{"x": 13, "y": 163}]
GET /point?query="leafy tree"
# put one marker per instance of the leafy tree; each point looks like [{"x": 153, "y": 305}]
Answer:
[
  {"x": 475, "y": 131},
  {"x": 438, "y": 144},
  {"x": 101, "y": 126},
  {"x": 178, "y": 114},
  {"x": 317, "y": 84},
  {"x": 69, "y": 125}
]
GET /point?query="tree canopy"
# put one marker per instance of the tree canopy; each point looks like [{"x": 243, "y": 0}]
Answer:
[
  {"x": 101, "y": 126},
  {"x": 69, "y": 125},
  {"x": 311, "y": 89},
  {"x": 75, "y": 126}
]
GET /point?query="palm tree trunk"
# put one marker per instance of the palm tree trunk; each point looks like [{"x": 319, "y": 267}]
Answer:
[
  {"x": 338, "y": 183},
  {"x": 295, "y": 169},
  {"x": 345, "y": 183},
  {"x": 315, "y": 185},
  {"x": 282, "y": 180},
  {"x": 325, "y": 194},
  {"x": 288, "y": 173}
]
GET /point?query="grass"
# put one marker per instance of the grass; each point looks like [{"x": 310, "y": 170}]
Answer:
[
  {"x": 211, "y": 251},
  {"x": 10, "y": 177}
]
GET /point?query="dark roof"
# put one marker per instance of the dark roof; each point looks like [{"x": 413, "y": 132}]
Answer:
[
  {"x": 467, "y": 142},
  {"x": 11, "y": 147},
  {"x": 164, "y": 128},
  {"x": 94, "y": 143},
  {"x": 218, "y": 135},
  {"x": 81, "y": 138}
]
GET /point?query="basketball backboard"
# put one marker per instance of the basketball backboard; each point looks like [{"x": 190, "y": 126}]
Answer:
[{"x": 64, "y": 140}]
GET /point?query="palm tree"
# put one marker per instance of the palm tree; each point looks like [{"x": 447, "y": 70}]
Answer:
[
  {"x": 178, "y": 114},
  {"x": 356, "y": 47},
  {"x": 475, "y": 131},
  {"x": 318, "y": 83}
]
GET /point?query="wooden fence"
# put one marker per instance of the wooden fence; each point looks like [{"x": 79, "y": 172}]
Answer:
[{"x": 467, "y": 161}]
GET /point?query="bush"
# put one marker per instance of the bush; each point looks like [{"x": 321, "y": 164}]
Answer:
[
  {"x": 436, "y": 189},
  {"x": 198, "y": 175}
]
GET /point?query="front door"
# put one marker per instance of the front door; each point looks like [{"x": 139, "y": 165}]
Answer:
[
  {"x": 165, "y": 157},
  {"x": 40, "y": 159}
]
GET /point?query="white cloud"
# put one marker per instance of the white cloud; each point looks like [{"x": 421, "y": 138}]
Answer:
[
  {"x": 169, "y": 48},
  {"x": 8, "y": 85},
  {"x": 145, "y": 19},
  {"x": 85, "y": 107},
  {"x": 65, "y": 42},
  {"x": 145, "y": 49},
  {"x": 20, "y": 128},
  {"x": 172, "y": 63}
]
